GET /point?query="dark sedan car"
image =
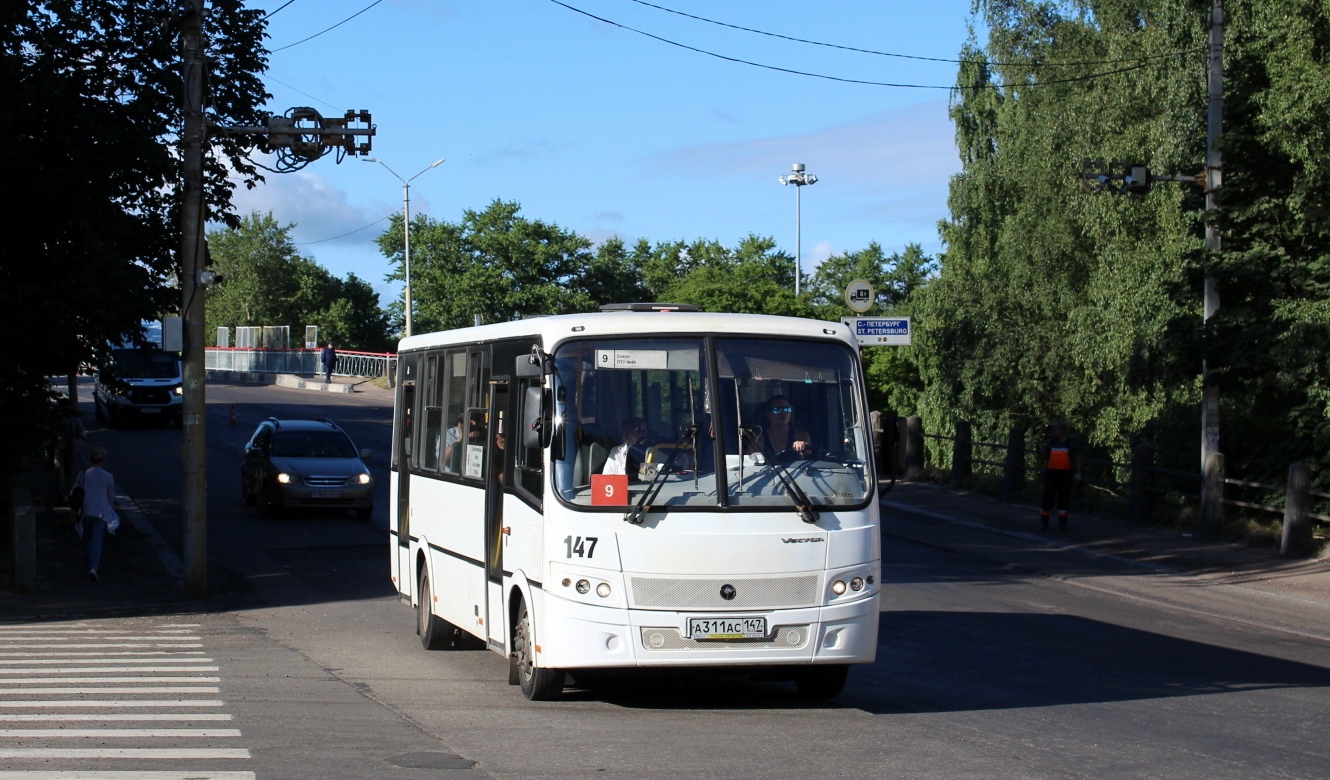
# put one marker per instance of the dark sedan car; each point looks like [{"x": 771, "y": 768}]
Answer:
[{"x": 305, "y": 463}]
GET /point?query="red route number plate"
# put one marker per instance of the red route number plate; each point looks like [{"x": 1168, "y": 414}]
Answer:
[{"x": 609, "y": 489}]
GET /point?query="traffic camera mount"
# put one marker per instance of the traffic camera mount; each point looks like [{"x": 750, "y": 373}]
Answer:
[
  {"x": 1134, "y": 179},
  {"x": 303, "y": 135}
]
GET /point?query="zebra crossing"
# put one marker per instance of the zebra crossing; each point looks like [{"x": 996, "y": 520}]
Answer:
[{"x": 126, "y": 699}]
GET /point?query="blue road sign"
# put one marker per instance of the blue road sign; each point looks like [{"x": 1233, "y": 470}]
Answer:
[{"x": 879, "y": 331}]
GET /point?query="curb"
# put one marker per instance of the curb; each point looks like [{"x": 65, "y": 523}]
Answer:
[{"x": 165, "y": 555}]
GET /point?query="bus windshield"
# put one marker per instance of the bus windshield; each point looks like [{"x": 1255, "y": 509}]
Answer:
[{"x": 779, "y": 417}]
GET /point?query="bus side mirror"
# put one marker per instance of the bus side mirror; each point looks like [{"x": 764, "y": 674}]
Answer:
[
  {"x": 535, "y": 364},
  {"x": 537, "y": 426}
]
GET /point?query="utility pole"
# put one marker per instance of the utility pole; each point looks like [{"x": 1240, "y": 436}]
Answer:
[
  {"x": 298, "y": 138},
  {"x": 194, "y": 402},
  {"x": 1214, "y": 123}
]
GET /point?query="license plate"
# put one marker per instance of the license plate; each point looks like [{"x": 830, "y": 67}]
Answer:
[
  {"x": 727, "y": 628},
  {"x": 150, "y": 410},
  {"x": 325, "y": 494}
]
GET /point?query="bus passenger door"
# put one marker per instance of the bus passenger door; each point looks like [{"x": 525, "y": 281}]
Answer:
[
  {"x": 496, "y": 536},
  {"x": 399, "y": 511}
]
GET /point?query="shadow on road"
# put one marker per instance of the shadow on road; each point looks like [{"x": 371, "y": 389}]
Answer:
[{"x": 959, "y": 661}]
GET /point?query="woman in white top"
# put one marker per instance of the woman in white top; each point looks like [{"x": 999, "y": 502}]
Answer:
[{"x": 98, "y": 516}]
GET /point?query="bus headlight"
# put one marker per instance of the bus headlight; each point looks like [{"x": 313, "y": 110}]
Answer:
[
  {"x": 838, "y": 587},
  {"x": 857, "y": 583},
  {"x": 603, "y": 590},
  {"x": 583, "y": 586}
]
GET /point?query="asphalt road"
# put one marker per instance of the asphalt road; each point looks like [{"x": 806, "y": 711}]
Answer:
[{"x": 997, "y": 659}]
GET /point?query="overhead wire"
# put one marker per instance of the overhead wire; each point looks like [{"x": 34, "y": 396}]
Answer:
[
  {"x": 278, "y": 8},
  {"x": 268, "y": 77},
  {"x": 344, "y": 235},
  {"x": 865, "y": 82},
  {"x": 330, "y": 29},
  {"x": 877, "y": 53}
]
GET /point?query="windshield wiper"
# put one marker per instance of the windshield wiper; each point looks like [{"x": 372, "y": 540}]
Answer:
[
  {"x": 802, "y": 506},
  {"x": 638, "y": 513}
]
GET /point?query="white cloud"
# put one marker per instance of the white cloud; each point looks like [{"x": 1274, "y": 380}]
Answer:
[
  {"x": 888, "y": 150},
  {"x": 319, "y": 210}
]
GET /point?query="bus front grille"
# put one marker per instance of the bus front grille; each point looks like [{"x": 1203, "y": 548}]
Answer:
[
  {"x": 748, "y": 593},
  {"x": 784, "y": 638}
]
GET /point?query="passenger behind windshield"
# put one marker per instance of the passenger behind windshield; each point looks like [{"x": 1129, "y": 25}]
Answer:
[
  {"x": 626, "y": 458},
  {"x": 782, "y": 438}
]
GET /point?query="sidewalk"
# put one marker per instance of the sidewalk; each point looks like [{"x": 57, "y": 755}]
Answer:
[
  {"x": 139, "y": 573},
  {"x": 1160, "y": 551}
]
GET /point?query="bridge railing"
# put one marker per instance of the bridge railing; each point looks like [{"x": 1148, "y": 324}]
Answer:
[{"x": 298, "y": 361}]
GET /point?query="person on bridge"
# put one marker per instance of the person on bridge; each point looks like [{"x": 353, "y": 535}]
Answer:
[
  {"x": 1061, "y": 456},
  {"x": 329, "y": 358},
  {"x": 98, "y": 516}
]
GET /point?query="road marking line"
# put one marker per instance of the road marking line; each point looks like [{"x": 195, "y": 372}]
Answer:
[
  {"x": 113, "y": 703},
  {"x": 107, "y": 660},
  {"x": 103, "y": 655},
  {"x": 30, "y": 680},
  {"x": 127, "y": 637},
  {"x": 124, "y": 753},
  {"x": 109, "y": 716},
  {"x": 135, "y": 689},
  {"x": 104, "y": 644},
  {"x": 117, "y": 733},
  {"x": 123, "y": 775},
  {"x": 101, "y": 669}
]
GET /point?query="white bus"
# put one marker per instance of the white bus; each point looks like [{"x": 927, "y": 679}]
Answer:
[{"x": 645, "y": 486}]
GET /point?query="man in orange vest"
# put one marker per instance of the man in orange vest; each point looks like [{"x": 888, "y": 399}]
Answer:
[{"x": 1061, "y": 456}]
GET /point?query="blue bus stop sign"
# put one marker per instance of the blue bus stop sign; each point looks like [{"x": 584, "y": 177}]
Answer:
[{"x": 880, "y": 331}]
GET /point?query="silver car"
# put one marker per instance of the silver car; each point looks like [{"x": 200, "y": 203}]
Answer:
[{"x": 305, "y": 463}]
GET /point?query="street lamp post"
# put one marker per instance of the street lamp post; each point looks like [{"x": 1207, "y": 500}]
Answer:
[
  {"x": 798, "y": 178},
  {"x": 406, "y": 228}
]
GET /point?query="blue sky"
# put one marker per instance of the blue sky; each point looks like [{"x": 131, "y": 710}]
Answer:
[{"x": 608, "y": 132}]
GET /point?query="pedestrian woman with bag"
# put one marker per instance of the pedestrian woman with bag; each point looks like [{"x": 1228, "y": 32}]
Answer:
[{"x": 98, "y": 516}]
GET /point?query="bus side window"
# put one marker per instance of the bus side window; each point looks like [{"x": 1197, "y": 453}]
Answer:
[
  {"x": 530, "y": 460},
  {"x": 433, "y": 443}
]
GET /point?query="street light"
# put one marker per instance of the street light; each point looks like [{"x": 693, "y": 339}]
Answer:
[
  {"x": 406, "y": 228},
  {"x": 798, "y": 178}
]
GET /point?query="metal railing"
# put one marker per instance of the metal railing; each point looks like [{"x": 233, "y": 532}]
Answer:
[{"x": 298, "y": 361}]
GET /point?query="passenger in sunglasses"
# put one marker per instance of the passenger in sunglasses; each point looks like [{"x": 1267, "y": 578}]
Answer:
[{"x": 781, "y": 436}]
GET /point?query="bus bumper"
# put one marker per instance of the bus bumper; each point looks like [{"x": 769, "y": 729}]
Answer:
[{"x": 572, "y": 635}]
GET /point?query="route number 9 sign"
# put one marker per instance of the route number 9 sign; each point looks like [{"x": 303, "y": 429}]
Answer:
[{"x": 609, "y": 489}]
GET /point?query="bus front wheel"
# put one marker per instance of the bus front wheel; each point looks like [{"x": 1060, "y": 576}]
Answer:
[
  {"x": 435, "y": 632},
  {"x": 537, "y": 684},
  {"x": 822, "y": 681}
]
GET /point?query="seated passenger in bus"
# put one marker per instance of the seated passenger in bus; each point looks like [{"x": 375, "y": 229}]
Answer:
[
  {"x": 450, "y": 438},
  {"x": 626, "y": 458},
  {"x": 781, "y": 437}
]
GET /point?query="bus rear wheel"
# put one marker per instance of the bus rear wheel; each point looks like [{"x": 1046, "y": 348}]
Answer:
[
  {"x": 537, "y": 684},
  {"x": 822, "y": 681},
  {"x": 435, "y": 632}
]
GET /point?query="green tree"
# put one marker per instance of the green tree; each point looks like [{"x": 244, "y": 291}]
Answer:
[
  {"x": 89, "y": 120},
  {"x": 266, "y": 281},
  {"x": 1048, "y": 302},
  {"x": 494, "y": 263},
  {"x": 753, "y": 277}
]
